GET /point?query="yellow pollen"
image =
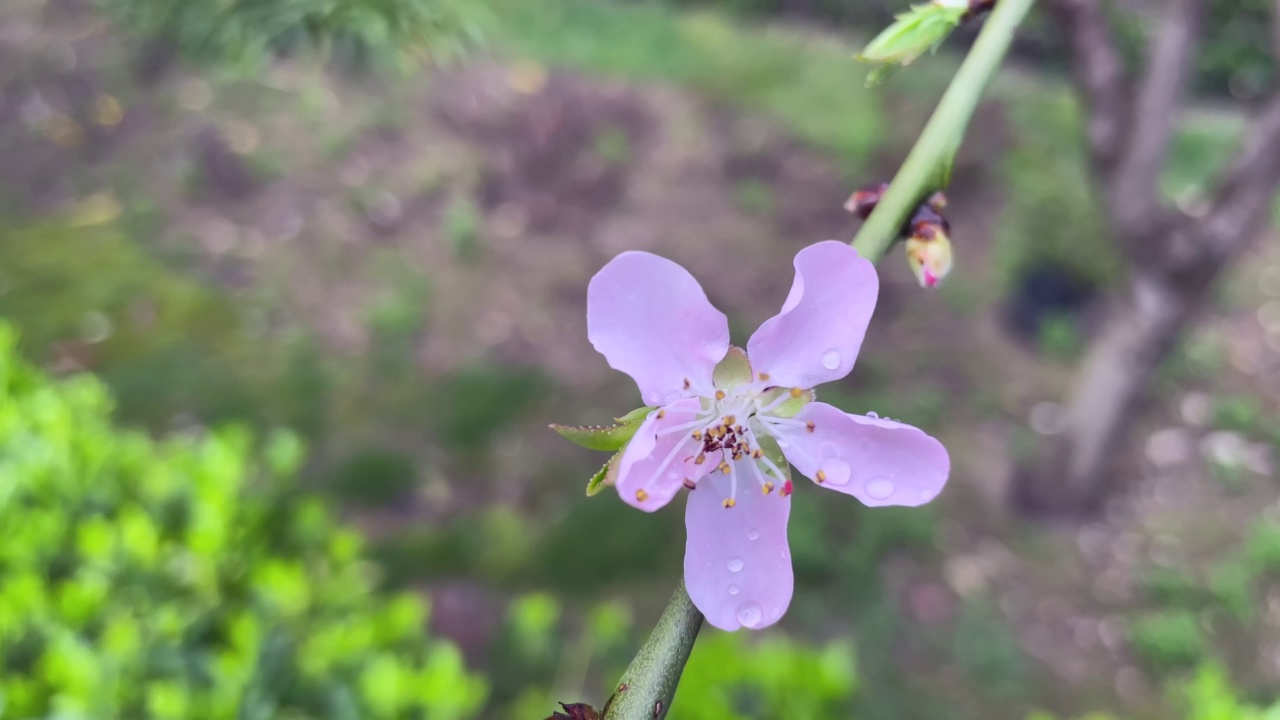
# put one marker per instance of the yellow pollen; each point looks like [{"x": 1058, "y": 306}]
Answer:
[
  {"x": 737, "y": 456},
  {"x": 724, "y": 468},
  {"x": 797, "y": 392},
  {"x": 700, "y": 459},
  {"x": 738, "y": 429},
  {"x": 810, "y": 426},
  {"x": 729, "y": 502},
  {"x": 641, "y": 495},
  {"x": 764, "y": 377},
  {"x": 697, "y": 434},
  {"x": 767, "y": 487},
  {"x": 729, "y": 420},
  {"x": 821, "y": 476},
  {"x": 662, "y": 414},
  {"x": 719, "y": 394},
  {"x": 757, "y": 453}
]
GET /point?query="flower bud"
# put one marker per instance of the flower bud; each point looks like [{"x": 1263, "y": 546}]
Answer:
[{"x": 929, "y": 253}]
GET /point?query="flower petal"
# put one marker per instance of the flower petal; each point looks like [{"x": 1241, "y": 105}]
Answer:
[
  {"x": 654, "y": 466},
  {"x": 737, "y": 565},
  {"x": 878, "y": 461},
  {"x": 650, "y": 319},
  {"x": 817, "y": 335}
]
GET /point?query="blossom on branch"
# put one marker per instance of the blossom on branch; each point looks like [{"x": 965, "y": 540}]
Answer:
[{"x": 728, "y": 424}]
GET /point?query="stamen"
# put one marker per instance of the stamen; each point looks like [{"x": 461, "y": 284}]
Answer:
[
  {"x": 729, "y": 502},
  {"x": 757, "y": 454},
  {"x": 786, "y": 489},
  {"x": 729, "y": 420},
  {"x": 641, "y": 496},
  {"x": 662, "y": 413},
  {"x": 690, "y": 484},
  {"x": 810, "y": 426},
  {"x": 700, "y": 459},
  {"x": 797, "y": 392},
  {"x": 725, "y": 468},
  {"x": 719, "y": 394},
  {"x": 764, "y": 377},
  {"x": 687, "y": 384},
  {"x": 821, "y": 476},
  {"x": 697, "y": 434},
  {"x": 767, "y": 487}
]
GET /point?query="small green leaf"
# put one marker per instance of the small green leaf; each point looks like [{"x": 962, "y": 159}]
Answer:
[
  {"x": 733, "y": 370},
  {"x": 604, "y": 437},
  {"x": 636, "y": 416},
  {"x": 605, "y": 476},
  {"x": 915, "y": 32}
]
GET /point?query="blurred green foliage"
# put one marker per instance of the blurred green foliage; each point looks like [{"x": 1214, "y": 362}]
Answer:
[
  {"x": 1236, "y": 54},
  {"x": 240, "y": 37},
  {"x": 1208, "y": 695},
  {"x": 1168, "y": 640},
  {"x": 181, "y": 579}
]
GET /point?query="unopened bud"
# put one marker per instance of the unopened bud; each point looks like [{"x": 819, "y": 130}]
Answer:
[{"x": 929, "y": 254}]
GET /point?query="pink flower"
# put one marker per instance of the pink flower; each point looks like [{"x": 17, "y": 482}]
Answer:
[{"x": 723, "y": 424}]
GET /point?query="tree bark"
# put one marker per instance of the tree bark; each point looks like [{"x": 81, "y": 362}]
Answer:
[{"x": 1073, "y": 475}]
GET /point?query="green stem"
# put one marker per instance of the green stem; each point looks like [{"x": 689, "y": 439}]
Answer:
[
  {"x": 928, "y": 165},
  {"x": 647, "y": 687},
  {"x": 649, "y": 684}
]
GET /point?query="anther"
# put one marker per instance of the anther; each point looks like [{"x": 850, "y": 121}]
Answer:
[
  {"x": 821, "y": 476},
  {"x": 797, "y": 392},
  {"x": 729, "y": 502},
  {"x": 757, "y": 453},
  {"x": 767, "y": 487},
  {"x": 738, "y": 429},
  {"x": 719, "y": 394},
  {"x": 725, "y": 468},
  {"x": 641, "y": 496},
  {"x": 700, "y": 459},
  {"x": 690, "y": 484},
  {"x": 786, "y": 489},
  {"x": 810, "y": 426},
  {"x": 687, "y": 384},
  {"x": 764, "y": 377},
  {"x": 729, "y": 420},
  {"x": 662, "y": 414}
]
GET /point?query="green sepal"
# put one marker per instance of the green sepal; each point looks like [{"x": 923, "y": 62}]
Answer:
[
  {"x": 605, "y": 437},
  {"x": 734, "y": 370},
  {"x": 773, "y": 451},
  {"x": 637, "y": 415},
  {"x": 605, "y": 477},
  {"x": 789, "y": 407},
  {"x": 599, "y": 437}
]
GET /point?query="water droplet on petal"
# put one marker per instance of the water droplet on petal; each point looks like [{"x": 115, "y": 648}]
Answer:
[
  {"x": 753, "y": 534},
  {"x": 750, "y": 615},
  {"x": 872, "y": 414},
  {"x": 880, "y": 488},
  {"x": 735, "y": 565},
  {"x": 831, "y": 359},
  {"x": 734, "y": 590},
  {"x": 837, "y": 472}
]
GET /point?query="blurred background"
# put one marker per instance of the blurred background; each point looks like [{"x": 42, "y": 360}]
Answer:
[{"x": 290, "y": 292}]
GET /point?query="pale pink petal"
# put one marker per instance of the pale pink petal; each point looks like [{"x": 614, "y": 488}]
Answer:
[
  {"x": 655, "y": 465},
  {"x": 650, "y": 319},
  {"x": 817, "y": 336},
  {"x": 878, "y": 461},
  {"x": 737, "y": 564}
]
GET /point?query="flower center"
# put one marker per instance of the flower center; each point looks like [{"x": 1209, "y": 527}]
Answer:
[{"x": 727, "y": 431}]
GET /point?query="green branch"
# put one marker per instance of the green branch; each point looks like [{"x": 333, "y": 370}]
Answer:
[
  {"x": 649, "y": 684},
  {"x": 928, "y": 165},
  {"x": 647, "y": 687}
]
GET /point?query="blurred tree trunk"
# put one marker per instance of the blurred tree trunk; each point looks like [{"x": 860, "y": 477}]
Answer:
[{"x": 1173, "y": 257}]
